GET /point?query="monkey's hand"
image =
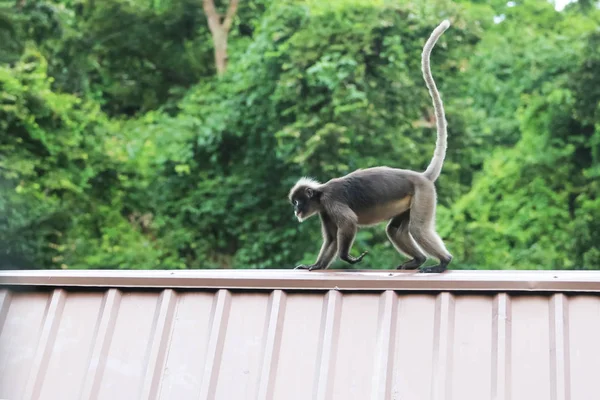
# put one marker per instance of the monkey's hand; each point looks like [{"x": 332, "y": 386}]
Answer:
[
  {"x": 308, "y": 267},
  {"x": 353, "y": 260}
]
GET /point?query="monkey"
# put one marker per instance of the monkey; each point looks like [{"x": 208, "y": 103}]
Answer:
[{"x": 366, "y": 197}]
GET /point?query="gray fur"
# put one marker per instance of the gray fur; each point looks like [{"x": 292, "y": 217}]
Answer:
[
  {"x": 405, "y": 198},
  {"x": 435, "y": 166}
]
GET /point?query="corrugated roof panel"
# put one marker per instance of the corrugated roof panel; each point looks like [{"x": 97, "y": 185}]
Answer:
[
  {"x": 80, "y": 342},
  {"x": 471, "y": 367},
  {"x": 71, "y": 326},
  {"x": 187, "y": 346},
  {"x": 582, "y": 348},
  {"x": 21, "y": 332},
  {"x": 295, "y": 345}
]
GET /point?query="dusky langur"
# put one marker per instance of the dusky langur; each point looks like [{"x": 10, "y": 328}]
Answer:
[{"x": 405, "y": 198}]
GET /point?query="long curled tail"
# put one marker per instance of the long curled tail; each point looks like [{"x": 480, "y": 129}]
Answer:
[{"x": 435, "y": 166}]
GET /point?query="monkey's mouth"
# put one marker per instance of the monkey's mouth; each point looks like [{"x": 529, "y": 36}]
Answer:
[{"x": 299, "y": 216}]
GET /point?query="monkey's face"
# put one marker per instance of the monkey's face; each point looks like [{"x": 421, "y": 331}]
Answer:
[{"x": 305, "y": 205}]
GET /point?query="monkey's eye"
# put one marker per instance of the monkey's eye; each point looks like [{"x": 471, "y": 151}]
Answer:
[{"x": 296, "y": 203}]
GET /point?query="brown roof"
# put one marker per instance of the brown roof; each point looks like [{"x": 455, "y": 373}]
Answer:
[{"x": 260, "y": 334}]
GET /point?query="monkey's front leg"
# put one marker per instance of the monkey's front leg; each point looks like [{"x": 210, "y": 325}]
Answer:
[
  {"x": 329, "y": 246},
  {"x": 345, "y": 238},
  {"x": 324, "y": 259}
]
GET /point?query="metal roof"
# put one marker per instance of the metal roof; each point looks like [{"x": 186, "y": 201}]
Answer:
[{"x": 284, "y": 334}]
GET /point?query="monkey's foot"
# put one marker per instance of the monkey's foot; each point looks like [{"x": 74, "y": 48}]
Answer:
[
  {"x": 436, "y": 269},
  {"x": 353, "y": 260},
  {"x": 308, "y": 267},
  {"x": 412, "y": 264},
  {"x": 441, "y": 267}
]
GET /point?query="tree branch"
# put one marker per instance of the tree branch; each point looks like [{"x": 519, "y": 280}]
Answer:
[
  {"x": 231, "y": 10},
  {"x": 220, "y": 30},
  {"x": 211, "y": 15}
]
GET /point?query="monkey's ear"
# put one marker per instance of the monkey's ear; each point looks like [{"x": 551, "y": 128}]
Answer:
[{"x": 313, "y": 193}]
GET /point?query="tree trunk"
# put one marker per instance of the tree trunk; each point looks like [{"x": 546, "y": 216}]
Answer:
[
  {"x": 220, "y": 31},
  {"x": 220, "y": 42}
]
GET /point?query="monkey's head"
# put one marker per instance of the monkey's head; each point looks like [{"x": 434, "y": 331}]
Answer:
[{"x": 304, "y": 196}]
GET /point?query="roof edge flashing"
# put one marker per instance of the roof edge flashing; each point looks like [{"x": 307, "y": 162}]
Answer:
[{"x": 332, "y": 279}]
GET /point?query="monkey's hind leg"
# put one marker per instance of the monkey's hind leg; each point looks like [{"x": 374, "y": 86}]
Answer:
[
  {"x": 397, "y": 232},
  {"x": 422, "y": 227}
]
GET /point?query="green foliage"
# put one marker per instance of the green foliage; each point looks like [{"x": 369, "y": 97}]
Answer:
[
  {"x": 47, "y": 156},
  {"x": 533, "y": 204},
  {"x": 132, "y": 58},
  {"x": 119, "y": 148},
  {"x": 62, "y": 193}
]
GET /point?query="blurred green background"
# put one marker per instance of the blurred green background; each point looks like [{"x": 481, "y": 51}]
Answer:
[{"x": 122, "y": 146}]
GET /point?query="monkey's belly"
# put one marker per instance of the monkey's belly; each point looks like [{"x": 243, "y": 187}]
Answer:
[{"x": 384, "y": 212}]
